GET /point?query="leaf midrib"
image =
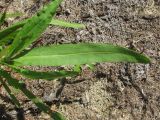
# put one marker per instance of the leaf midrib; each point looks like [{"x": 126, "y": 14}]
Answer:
[{"x": 69, "y": 54}]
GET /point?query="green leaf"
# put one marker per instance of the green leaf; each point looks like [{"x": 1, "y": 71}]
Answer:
[
  {"x": 11, "y": 15},
  {"x": 11, "y": 30},
  {"x": 1, "y": 48},
  {"x": 77, "y": 68},
  {"x": 57, "y": 116},
  {"x": 18, "y": 25},
  {"x": 37, "y": 101},
  {"x": 8, "y": 38},
  {"x": 2, "y": 17},
  {"x": 13, "y": 98},
  {"x": 32, "y": 30},
  {"x": 10, "y": 33},
  {"x": 91, "y": 66},
  {"x": 45, "y": 75},
  {"x": 74, "y": 54},
  {"x": 66, "y": 24}
]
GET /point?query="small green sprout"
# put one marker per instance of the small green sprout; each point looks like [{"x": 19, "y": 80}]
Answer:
[{"x": 14, "y": 53}]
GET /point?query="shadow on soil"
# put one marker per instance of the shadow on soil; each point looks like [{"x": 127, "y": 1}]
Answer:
[
  {"x": 20, "y": 112},
  {"x": 4, "y": 115}
]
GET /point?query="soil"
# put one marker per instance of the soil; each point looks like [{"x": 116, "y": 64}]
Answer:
[{"x": 119, "y": 91}]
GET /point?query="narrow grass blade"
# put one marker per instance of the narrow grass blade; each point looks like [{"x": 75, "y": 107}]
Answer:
[
  {"x": 37, "y": 101},
  {"x": 57, "y": 116},
  {"x": 7, "y": 34},
  {"x": 13, "y": 98},
  {"x": 10, "y": 30},
  {"x": 34, "y": 27},
  {"x": 2, "y": 17},
  {"x": 45, "y": 75},
  {"x": 11, "y": 15},
  {"x": 9, "y": 38},
  {"x": 18, "y": 25},
  {"x": 74, "y": 54},
  {"x": 66, "y": 24}
]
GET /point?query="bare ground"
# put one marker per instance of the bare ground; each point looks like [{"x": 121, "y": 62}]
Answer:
[{"x": 120, "y": 91}]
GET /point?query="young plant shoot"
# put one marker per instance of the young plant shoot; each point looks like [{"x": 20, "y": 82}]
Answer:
[{"x": 15, "y": 52}]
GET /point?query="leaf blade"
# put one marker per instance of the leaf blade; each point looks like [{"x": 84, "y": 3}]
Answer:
[
  {"x": 37, "y": 23},
  {"x": 11, "y": 29},
  {"x": 75, "y": 54},
  {"x": 9, "y": 38},
  {"x": 37, "y": 101},
  {"x": 13, "y": 98},
  {"x": 3, "y": 17},
  {"x": 63, "y": 23},
  {"x": 45, "y": 75}
]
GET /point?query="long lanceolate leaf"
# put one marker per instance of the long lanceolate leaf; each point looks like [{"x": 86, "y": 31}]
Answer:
[
  {"x": 2, "y": 18},
  {"x": 37, "y": 101},
  {"x": 32, "y": 30},
  {"x": 13, "y": 98},
  {"x": 45, "y": 75},
  {"x": 11, "y": 32},
  {"x": 11, "y": 29},
  {"x": 8, "y": 38},
  {"x": 73, "y": 54}
]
